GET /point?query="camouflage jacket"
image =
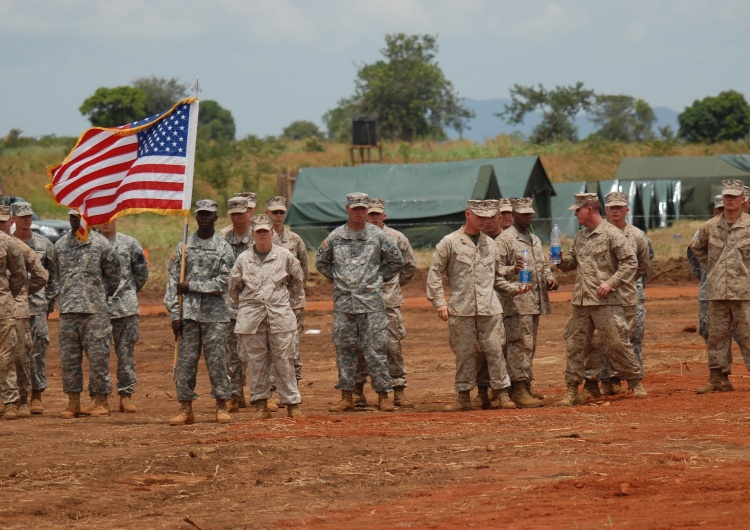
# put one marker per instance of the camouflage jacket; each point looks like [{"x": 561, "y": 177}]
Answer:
[
  {"x": 36, "y": 279},
  {"x": 600, "y": 255},
  {"x": 263, "y": 289},
  {"x": 294, "y": 244},
  {"x": 698, "y": 271},
  {"x": 134, "y": 274},
  {"x": 632, "y": 292},
  {"x": 12, "y": 275},
  {"x": 43, "y": 301},
  {"x": 207, "y": 266},
  {"x": 536, "y": 301},
  {"x": 239, "y": 244},
  {"x": 358, "y": 262},
  {"x": 392, "y": 288},
  {"x": 724, "y": 252},
  {"x": 88, "y": 273}
]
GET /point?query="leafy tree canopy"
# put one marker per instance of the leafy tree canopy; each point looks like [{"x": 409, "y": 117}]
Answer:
[
  {"x": 338, "y": 121},
  {"x": 622, "y": 118},
  {"x": 161, "y": 94},
  {"x": 214, "y": 122},
  {"x": 716, "y": 119},
  {"x": 112, "y": 107},
  {"x": 301, "y": 129}
]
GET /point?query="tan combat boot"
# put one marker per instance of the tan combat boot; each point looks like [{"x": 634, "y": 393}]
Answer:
[
  {"x": 233, "y": 405},
  {"x": 522, "y": 398},
  {"x": 74, "y": 406},
  {"x": 185, "y": 416},
  {"x": 276, "y": 400},
  {"x": 482, "y": 401},
  {"x": 590, "y": 391},
  {"x": 102, "y": 406},
  {"x": 503, "y": 399},
  {"x": 384, "y": 404},
  {"x": 713, "y": 384},
  {"x": 261, "y": 410},
  {"x": 2, "y": 407},
  {"x": 399, "y": 398},
  {"x": 222, "y": 415},
  {"x": 86, "y": 411},
  {"x": 37, "y": 407},
  {"x": 292, "y": 410},
  {"x": 126, "y": 404},
  {"x": 358, "y": 396},
  {"x": 23, "y": 407},
  {"x": 571, "y": 396},
  {"x": 616, "y": 386},
  {"x": 636, "y": 387},
  {"x": 728, "y": 387},
  {"x": 463, "y": 402},
  {"x": 533, "y": 391},
  {"x": 345, "y": 405},
  {"x": 271, "y": 405},
  {"x": 11, "y": 411}
]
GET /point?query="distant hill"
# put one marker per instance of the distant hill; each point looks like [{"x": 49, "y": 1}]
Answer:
[{"x": 487, "y": 125}]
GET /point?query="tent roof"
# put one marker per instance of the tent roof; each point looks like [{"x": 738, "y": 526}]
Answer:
[{"x": 679, "y": 167}]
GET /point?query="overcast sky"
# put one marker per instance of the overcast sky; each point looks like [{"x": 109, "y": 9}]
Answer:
[{"x": 271, "y": 62}]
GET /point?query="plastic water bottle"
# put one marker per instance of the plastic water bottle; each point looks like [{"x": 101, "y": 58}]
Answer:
[
  {"x": 525, "y": 274},
  {"x": 555, "y": 248}
]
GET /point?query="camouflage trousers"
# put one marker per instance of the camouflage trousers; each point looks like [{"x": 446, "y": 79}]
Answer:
[
  {"x": 209, "y": 338},
  {"x": 520, "y": 345},
  {"x": 8, "y": 380},
  {"x": 636, "y": 318},
  {"x": 610, "y": 322},
  {"x": 703, "y": 325},
  {"x": 38, "y": 351},
  {"x": 20, "y": 356},
  {"x": 235, "y": 365},
  {"x": 370, "y": 330},
  {"x": 299, "y": 314},
  {"x": 727, "y": 318},
  {"x": 263, "y": 349},
  {"x": 125, "y": 336},
  {"x": 393, "y": 351},
  {"x": 464, "y": 334},
  {"x": 91, "y": 333}
]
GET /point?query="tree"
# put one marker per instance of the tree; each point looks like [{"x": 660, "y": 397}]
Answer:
[
  {"x": 407, "y": 91},
  {"x": 161, "y": 94},
  {"x": 301, "y": 129},
  {"x": 716, "y": 119},
  {"x": 558, "y": 108},
  {"x": 112, "y": 107},
  {"x": 214, "y": 122},
  {"x": 622, "y": 118},
  {"x": 338, "y": 121}
]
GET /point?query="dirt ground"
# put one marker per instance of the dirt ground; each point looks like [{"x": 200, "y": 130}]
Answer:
[{"x": 673, "y": 460}]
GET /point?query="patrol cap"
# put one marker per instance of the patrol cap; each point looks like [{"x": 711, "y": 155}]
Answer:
[
  {"x": 276, "y": 203},
  {"x": 237, "y": 205},
  {"x": 582, "y": 199},
  {"x": 206, "y": 205},
  {"x": 262, "y": 222},
  {"x": 75, "y": 212},
  {"x": 376, "y": 206},
  {"x": 249, "y": 195},
  {"x": 357, "y": 199},
  {"x": 21, "y": 209},
  {"x": 719, "y": 201},
  {"x": 522, "y": 205},
  {"x": 505, "y": 205},
  {"x": 616, "y": 198},
  {"x": 486, "y": 208},
  {"x": 4, "y": 213},
  {"x": 733, "y": 187}
]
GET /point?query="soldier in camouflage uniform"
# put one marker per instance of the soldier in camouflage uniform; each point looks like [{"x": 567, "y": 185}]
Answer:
[
  {"x": 262, "y": 282},
  {"x": 202, "y": 325},
  {"x": 240, "y": 238},
  {"x": 41, "y": 303},
  {"x": 393, "y": 302},
  {"x": 238, "y": 222},
  {"x": 12, "y": 282},
  {"x": 36, "y": 279},
  {"x": 88, "y": 273},
  {"x": 359, "y": 257},
  {"x": 521, "y": 313},
  {"x": 604, "y": 261},
  {"x": 722, "y": 247},
  {"x": 283, "y": 237},
  {"x": 469, "y": 260},
  {"x": 123, "y": 309}
]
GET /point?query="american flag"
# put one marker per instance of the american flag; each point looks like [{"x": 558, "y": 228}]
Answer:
[{"x": 144, "y": 166}]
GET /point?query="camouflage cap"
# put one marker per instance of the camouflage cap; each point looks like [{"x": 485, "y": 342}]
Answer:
[
  {"x": 206, "y": 205},
  {"x": 733, "y": 187},
  {"x": 357, "y": 199},
  {"x": 75, "y": 212},
  {"x": 21, "y": 209},
  {"x": 505, "y": 205},
  {"x": 4, "y": 213},
  {"x": 522, "y": 205},
  {"x": 616, "y": 198},
  {"x": 582, "y": 199},
  {"x": 276, "y": 203},
  {"x": 237, "y": 205},
  {"x": 376, "y": 206},
  {"x": 486, "y": 208},
  {"x": 719, "y": 201},
  {"x": 747, "y": 192},
  {"x": 249, "y": 195},
  {"x": 262, "y": 222}
]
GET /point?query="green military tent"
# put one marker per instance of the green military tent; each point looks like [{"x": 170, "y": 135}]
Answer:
[{"x": 424, "y": 201}]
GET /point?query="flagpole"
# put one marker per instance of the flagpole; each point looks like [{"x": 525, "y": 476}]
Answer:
[{"x": 179, "y": 296}]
